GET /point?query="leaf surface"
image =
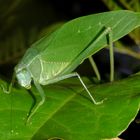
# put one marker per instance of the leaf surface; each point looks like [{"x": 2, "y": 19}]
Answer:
[{"x": 68, "y": 112}]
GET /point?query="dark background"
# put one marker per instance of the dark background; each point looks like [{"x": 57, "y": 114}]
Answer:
[{"x": 40, "y": 14}]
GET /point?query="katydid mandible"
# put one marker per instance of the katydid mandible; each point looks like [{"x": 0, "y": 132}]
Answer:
[{"x": 55, "y": 57}]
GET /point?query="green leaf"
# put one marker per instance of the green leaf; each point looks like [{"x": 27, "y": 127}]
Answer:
[{"x": 68, "y": 112}]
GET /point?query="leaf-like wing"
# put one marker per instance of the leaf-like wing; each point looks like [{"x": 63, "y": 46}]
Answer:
[{"x": 74, "y": 41}]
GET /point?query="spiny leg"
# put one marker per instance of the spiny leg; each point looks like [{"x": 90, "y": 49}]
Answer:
[
  {"x": 108, "y": 32},
  {"x": 94, "y": 66},
  {"x": 75, "y": 75},
  {"x": 8, "y": 90},
  {"x": 43, "y": 98}
]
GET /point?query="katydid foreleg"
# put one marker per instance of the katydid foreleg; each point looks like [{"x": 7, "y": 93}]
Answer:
[
  {"x": 8, "y": 90},
  {"x": 43, "y": 98}
]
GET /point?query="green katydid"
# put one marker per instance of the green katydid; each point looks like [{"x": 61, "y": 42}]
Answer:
[{"x": 54, "y": 58}]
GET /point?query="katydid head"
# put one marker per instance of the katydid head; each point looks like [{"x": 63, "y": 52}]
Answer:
[{"x": 23, "y": 76}]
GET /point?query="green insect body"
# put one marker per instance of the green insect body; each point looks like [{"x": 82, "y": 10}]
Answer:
[{"x": 54, "y": 58}]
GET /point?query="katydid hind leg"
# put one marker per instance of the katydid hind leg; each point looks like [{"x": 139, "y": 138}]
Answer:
[
  {"x": 111, "y": 57},
  {"x": 93, "y": 100},
  {"x": 43, "y": 98},
  {"x": 107, "y": 32},
  {"x": 76, "y": 75}
]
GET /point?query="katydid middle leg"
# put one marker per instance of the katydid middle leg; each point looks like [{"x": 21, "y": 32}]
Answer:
[
  {"x": 75, "y": 74},
  {"x": 43, "y": 97}
]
